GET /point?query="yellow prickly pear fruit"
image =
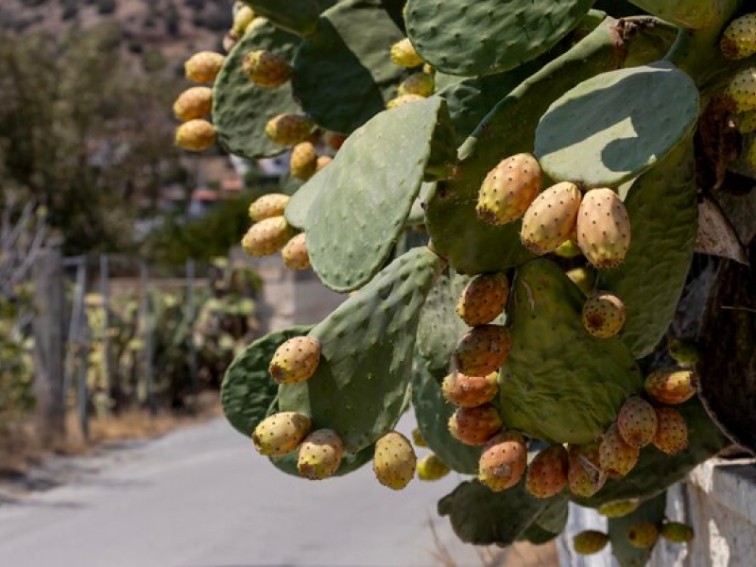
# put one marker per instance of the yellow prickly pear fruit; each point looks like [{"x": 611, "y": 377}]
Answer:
[
  {"x": 750, "y": 155},
  {"x": 746, "y": 122},
  {"x": 204, "y": 66},
  {"x": 295, "y": 361},
  {"x": 603, "y": 315},
  {"x": 584, "y": 278},
  {"x": 280, "y": 433},
  {"x": 671, "y": 431},
  {"x": 267, "y": 236},
  {"x": 267, "y": 206},
  {"x": 618, "y": 508},
  {"x": 677, "y": 532},
  {"x": 289, "y": 129},
  {"x": 671, "y": 386},
  {"x": 584, "y": 475},
  {"x": 304, "y": 161},
  {"x": 431, "y": 468},
  {"x": 509, "y": 189},
  {"x": 739, "y": 38},
  {"x": 470, "y": 391},
  {"x": 295, "y": 255},
  {"x": 684, "y": 353},
  {"x": 503, "y": 461},
  {"x": 568, "y": 249},
  {"x": 320, "y": 454},
  {"x": 603, "y": 228},
  {"x": 418, "y": 439},
  {"x": 394, "y": 461},
  {"x": 403, "y": 54},
  {"x": 616, "y": 457},
  {"x": 266, "y": 69},
  {"x": 475, "y": 426},
  {"x": 643, "y": 535},
  {"x": 740, "y": 94},
  {"x": 636, "y": 422},
  {"x": 196, "y": 102},
  {"x": 482, "y": 350},
  {"x": 550, "y": 218},
  {"x": 547, "y": 472},
  {"x": 196, "y": 135},
  {"x": 321, "y": 162},
  {"x": 242, "y": 18},
  {"x": 402, "y": 100},
  {"x": 589, "y": 542},
  {"x": 483, "y": 299},
  {"x": 421, "y": 84}
]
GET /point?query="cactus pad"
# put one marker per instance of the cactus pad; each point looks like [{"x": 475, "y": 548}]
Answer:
[{"x": 297, "y": 16}]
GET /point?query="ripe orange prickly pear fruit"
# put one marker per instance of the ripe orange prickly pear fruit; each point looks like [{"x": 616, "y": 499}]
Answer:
[
  {"x": 195, "y": 102},
  {"x": 321, "y": 162},
  {"x": 394, "y": 461},
  {"x": 280, "y": 433},
  {"x": 475, "y": 426},
  {"x": 671, "y": 431},
  {"x": 421, "y": 84},
  {"x": 483, "y": 299},
  {"x": 584, "y": 475},
  {"x": 584, "y": 278},
  {"x": 295, "y": 255},
  {"x": 589, "y": 542},
  {"x": 418, "y": 439},
  {"x": 636, "y": 422},
  {"x": 603, "y": 228},
  {"x": 677, "y": 532},
  {"x": 296, "y": 360},
  {"x": 550, "y": 218},
  {"x": 616, "y": 457},
  {"x": 204, "y": 66},
  {"x": 740, "y": 94},
  {"x": 304, "y": 161},
  {"x": 470, "y": 391},
  {"x": 482, "y": 350},
  {"x": 320, "y": 454},
  {"x": 267, "y": 206},
  {"x": 547, "y": 472},
  {"x": 196, "y": 135},
  {"x": 739, "y": 38},
  {"x": 618, "y": 508},
  {"x": 671, "y": 386},
  {"x": 402, "y": 100},
  {"x": 403, "y": 54},
  {"x": 289, "y": 129},
  {"x": 509, "y": 189},
  {"x": 266, "y": 69},
  {"x": 267, "y": 236},
  {"x": 503, "y": 461},
  {"x": 431, "y": 468},
  {"x": 643, "y": 535},
  {"x": 603, "y": 315}
]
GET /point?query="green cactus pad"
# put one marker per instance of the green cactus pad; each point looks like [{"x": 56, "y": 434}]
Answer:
[
  {"x": 608, "y": 129},
  {"x": 536, "y": 535},
  {"x": 694, "y": 14},
  {"x": 301, "y": 201},
  {"x": 417, "y": 212},
  {"x": 663, "y": 211},
  {"x": 366, "y": 193},
  {"x": 296, "y": 16},
  {"x": 553, "y": 517},
  {"x": 248, "y": 391},
  {"x": 486, "y": 37},
  {"x": 651, "y": 511},
  {"x": 366, "y": 354},
  {"x": 240, "y": 108},
  {"x": 559, "y": 383},
  {"x": 432, "y": 413}
]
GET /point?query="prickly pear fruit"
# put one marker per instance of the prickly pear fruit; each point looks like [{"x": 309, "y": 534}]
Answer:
[
  {"x": 204, "y": 66},
  {"x": 671, "y": 386},
  {"x": 740, "y": 94},
  {"x": 418, "y": 439},
  {"x": 470, "y": 391},
  {"x": 242, "y": 18},
  {"x": 402, "y": 100},
  {"x": 321, "y": 162},
  {"x": 550, "y": 218},
  {"x": 509, "y": 189},
  {"x": 584, "y": 475},
  {"x": 616, "y": 457},
  {"x": 547, "y": 472},
  {"x": 289, "y": 129},
  {"x": 431, "y": 468},
  {"x": 295, "y": 361},
  {"x": 589, "y": 542},
  {"x": 618, "y": 508},
  {"x": 684, "y": 353},
  {"x": 636, "y": 422},
  {"x": 503, "y": 461},
  {"x": 267, "y": 236},
  {"x": 403, "y": 54},
  {"x": 475, "y": 426},
  {"x": 394, "y": 461},
  {"x": 333, "y": 140},
  {"x": 643, "y": 535},
  {"x": 320, "y": 454},
  {"x": 677, "y": 532},
  {"x": 267, "y": 206},
  {"x": 303, "y": 161},
  {"x": 568, "y": 249},
  {"x": 266, "y": 69},
  {"x": 280, "y": 433},
  {"x": 295, "y": 255},
  {"x": 196, "y": 135},
  {"x": 746, "y": 122},
  {"x": 584, "y": 278},
  {"x": 483, "y": 299},
  {"x": 739, "y": 38},
  {"x": 421, "y": 84},
  {"x": 482, "y": 350},
  {"x": 603, "y": 315},
  {"x": 671, "y": 431},
  {"x": 603, "y": 228},
  {"x": 195, "y": 102}
]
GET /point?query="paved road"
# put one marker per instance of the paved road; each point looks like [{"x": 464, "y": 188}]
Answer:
[{"x": 201, "y": 497}]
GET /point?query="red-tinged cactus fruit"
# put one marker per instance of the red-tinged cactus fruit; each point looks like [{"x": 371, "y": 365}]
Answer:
[
  {"x": 204, "y": 66},
  {"x": 547, "y": 472},
  {"x": 671, "y": 431},
  {"x": 503, "y": 461},
  {"x": 740, "y": 94},
  {"x": 616, "y": 457},
  {"x": 289, "y": 129},
  {"x": 295, "y": 254},
  {"x": 483, "y": 299},
  {"x": 321, "y": 162},
  {"x": 195, "y": 102},
  {"x": 671, "y": 386},
  {"x": 304, "y": 161},
  {"x": 196, "y": 135},
  {"x": 636, "y": 422},
  {"x": 267, "y": 236},
  {"x": 280, "y": 433},
  {"x": 550, "y": 218},
  {"x": 475, "y": 426},
  {"x": 470, "y": 391},
  {"x": 267, "y": 206},
  {"x": 603, "y": 315},
  {"x": 421, "y": 84},
  {"x": 618, "y": 508},
  {"x": 403, "y": 54},
  {"x": 584, "y": 278},
  {"x": 603, "y": 228},
  {"x": 584, "y": 475},
  {"x": 320, "y": 454},
  {"x": 482, "y": 350},
  {"x": 295, "y": 361},
  {"x": 509, "y": 189},
  {"x": 677, "y": 532},
  {"x": 430, "y": 468},
  {"x": 643, "y": 535},
  {"x": 589, "y": 542},
  {"x": 266, "y": 69},
  {"x": 739, "y": 38},
  {"x": 402, "y": 100},
  {"x": 394, "y": 460},
  {"x": 334, "y": 140}
]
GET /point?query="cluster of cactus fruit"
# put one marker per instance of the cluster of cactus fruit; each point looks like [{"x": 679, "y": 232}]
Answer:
[{"x": 510, "y": 200}]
